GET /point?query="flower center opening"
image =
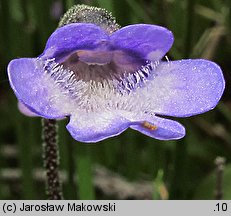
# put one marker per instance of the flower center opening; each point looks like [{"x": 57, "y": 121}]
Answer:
[
  {"x": 95, "y": 84},
  {"x": 126, "y": 72},
  {"x": 99, "y": 80}
]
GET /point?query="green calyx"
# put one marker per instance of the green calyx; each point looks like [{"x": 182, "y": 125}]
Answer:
[{"x": 89, "y": 14}]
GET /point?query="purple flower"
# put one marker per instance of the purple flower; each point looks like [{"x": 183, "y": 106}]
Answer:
[{"x": 108, "y": 82}]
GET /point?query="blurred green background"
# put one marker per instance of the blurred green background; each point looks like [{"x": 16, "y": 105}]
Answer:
[{"x": 130, "y": 166}]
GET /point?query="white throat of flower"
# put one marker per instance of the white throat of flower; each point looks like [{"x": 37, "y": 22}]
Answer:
[{"x": 98, "y": 93}]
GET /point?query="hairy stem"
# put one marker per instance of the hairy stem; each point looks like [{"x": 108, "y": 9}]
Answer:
[
  {"x": 219, "y": 162},
  {"x": 51, "y": 159}
]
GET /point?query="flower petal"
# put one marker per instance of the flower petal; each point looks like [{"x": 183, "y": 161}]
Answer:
[
  {"x": 150, "y": 42},
  {"x": 34, "y": 88},
  {"x": 160, "y": 128},
  {"x": 184, "y": 88},
  {"x": 26, "y": 111},
  {"x": 94, "y": 127},
  {"x": 73, "y": 37}
]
